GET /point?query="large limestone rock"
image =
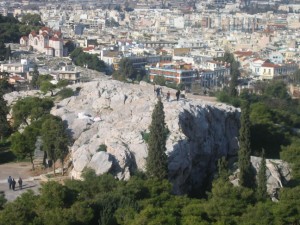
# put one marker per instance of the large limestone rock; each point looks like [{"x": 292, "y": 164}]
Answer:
[{"x": 200, "y": 132}]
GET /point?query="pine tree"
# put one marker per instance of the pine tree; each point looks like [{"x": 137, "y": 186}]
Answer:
[
  {"x": 157, "y": 160},
  {"x": 245, "y": 175},
  {"x": 262, "y": 179}
]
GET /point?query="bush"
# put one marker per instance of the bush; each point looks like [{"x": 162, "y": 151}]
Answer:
[
  {"x": 65, "y": 93},
  {"x": 102, "y": 148},
  {"x": 145, "y": 136}
]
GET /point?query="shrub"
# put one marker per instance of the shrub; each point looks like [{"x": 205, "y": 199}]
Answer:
[
  {"x": 145, "y": 136},
  {"x": 65, "y": 93},
  {"x": 102, "y": 148}
]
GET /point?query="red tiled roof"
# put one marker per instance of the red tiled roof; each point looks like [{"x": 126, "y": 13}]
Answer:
[
  {"x": 241, "y": 53},
  {"x": 266, "y": 64},
  {"x": 24, "y": 38},
  {"x": 88, "y": 48}
]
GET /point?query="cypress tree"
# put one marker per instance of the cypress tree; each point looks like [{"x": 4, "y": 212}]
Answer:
[
  {"x": 223, "y": 168},
  {"x": 157, "y": 160},
  {"x": 245, "y": 175},
  {"x": 4, "y": 124},
  {"x": 262, "y": 179}
]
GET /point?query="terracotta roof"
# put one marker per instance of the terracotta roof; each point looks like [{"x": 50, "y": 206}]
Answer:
[
  {"x": 24, "y": 37},
  {"x": 266, "y": 64},
  {"x": 88, "y": 48},
  {"x": 241, "y": 53}
]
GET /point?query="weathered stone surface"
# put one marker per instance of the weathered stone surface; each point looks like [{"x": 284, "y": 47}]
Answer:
[
  {"x": 200, "y": 131},
  {"x": 101, "y": 162},
  {"x": 278, "y": 173}
]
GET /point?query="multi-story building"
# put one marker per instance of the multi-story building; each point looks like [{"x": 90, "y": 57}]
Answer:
[
  {"x": 179, "y": 73},
  {"x": 265, "y": 70}
]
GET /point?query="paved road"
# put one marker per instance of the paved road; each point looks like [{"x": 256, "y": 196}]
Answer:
[{"x": 17, "y": 170}]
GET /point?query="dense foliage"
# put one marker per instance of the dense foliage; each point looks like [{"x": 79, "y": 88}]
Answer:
[
  {"x": 11, "y": 30},
  {"x": 4, "y": 125},
  {"x": 157, "y": 160},
  {"x": 245, "y": 176},
  {"x": 107, "y": 201},
  {"x": 90, "y": 61}
]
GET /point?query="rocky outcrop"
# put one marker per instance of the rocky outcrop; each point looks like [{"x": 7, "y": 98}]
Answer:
[
  {"x": 278, "y": 173},
  {"x": 117, "y": 115}
]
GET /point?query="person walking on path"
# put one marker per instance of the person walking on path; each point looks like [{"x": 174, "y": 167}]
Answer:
[
  {"x": 158, "y": 92},
  {"x": 9, "y": 180},
  {"x": 177, "y": 95},
  {"x": 168, "y": 96},
  {"x": 20, "y": 182},
  {"x": 13, "y": 184}
]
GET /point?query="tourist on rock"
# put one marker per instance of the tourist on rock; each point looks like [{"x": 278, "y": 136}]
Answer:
[
  {"x": 9, "y": 180},
  {"x": 13, "y": 184},
  {"x": 177, "y": 95},
  {"x": 168, "y": 96},
  {"x": 20, "y": 182}
]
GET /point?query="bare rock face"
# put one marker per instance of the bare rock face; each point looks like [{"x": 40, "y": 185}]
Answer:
[
  {"x": 278, "y": 173},
  {"x": 116, "y": 114}
]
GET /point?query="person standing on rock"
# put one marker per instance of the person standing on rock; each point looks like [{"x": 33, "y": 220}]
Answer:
[
  {"x": 177, "y": 95},
  {"x": 9, "y": 180},
  {"x": 13, "y": 184},
  {"x": 20, "y": 182},
  {"x": 168, "y": 96}
]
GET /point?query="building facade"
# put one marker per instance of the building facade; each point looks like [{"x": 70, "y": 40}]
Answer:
[{"x": 46, "y": 41}]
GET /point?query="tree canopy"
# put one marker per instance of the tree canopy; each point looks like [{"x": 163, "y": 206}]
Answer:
[{"x": 91, "y": 61}]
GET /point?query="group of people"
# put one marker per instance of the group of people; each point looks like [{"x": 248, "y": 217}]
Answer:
[
  {"x": 159, "y": 93},
  {"x": 12, "y": 183}
]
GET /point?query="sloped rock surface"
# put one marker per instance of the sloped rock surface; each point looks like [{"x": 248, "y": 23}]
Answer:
[
  {"x": 116, "y": 114},
  {"x": 200, "y": 132}
]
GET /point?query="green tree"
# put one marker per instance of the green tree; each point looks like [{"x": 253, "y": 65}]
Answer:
[
  {"x": 70, "y": 45},
  {"x": 8, "y": 53},
  {"x": 5, "y": 86},
  {"x": 277, "y": 89},
  {"x": 62, "y": 83},
  {"x": 32, "y": 19},
  {"x": 35, "y": 77},
  {"x": 30, "y": 109},
  {"x": 2, "y": 51},
  {"x": 21, "y": 211},
  {"x": 160, "y": 80},
  {"x": 47, "y": 86},
  {"x": 4, "y": 124},
  {"x": 55, "y": 140},
  {"x": 126, "y": 68},
  {"x": 262, "y": 179},
  {"x": 245, "y": 175},
  {"x": 23, "y": 144},
  {"x": 157, "y": 160}
]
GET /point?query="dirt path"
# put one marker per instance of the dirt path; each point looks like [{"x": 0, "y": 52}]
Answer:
[{"x": 16, "y": 170}]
